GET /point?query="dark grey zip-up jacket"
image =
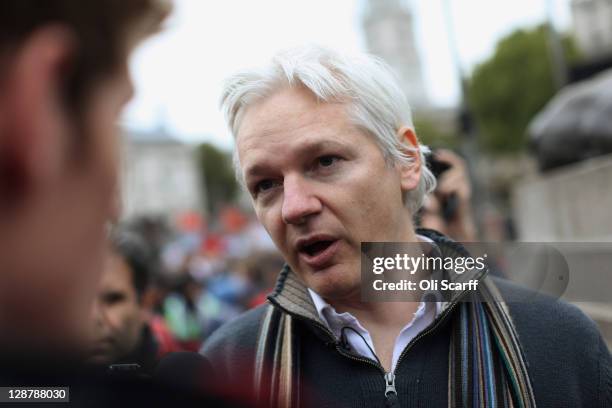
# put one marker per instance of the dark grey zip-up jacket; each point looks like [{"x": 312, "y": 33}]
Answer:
[{"x": 568, "y": 362}]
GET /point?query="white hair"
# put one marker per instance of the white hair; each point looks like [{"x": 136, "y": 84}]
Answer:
[{"x": 377, "y": 105}]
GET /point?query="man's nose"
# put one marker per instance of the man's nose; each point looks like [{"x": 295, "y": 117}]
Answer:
[{"x": 299, "y": 201}]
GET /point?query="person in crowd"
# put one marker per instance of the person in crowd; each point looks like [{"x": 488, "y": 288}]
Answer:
[
  {"x": 448, "y": 208},
  {"x": 122, "y": 334},
  {"x": 154, "y": 298},
  {"x": 326, "y": 147},
  {"x": 181, "y": 310},
  {"x": 264, "y": 267}
]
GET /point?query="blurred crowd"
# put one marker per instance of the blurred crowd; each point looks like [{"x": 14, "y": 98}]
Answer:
[{"x": 167, "y": 287}]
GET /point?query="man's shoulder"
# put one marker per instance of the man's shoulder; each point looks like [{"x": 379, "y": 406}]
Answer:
[
  {"x": 563, "y": 348},
  {"x": 535, "y": 312},
  {"x": 231, "y": 350},
  {"x": 241, "y": 332}
]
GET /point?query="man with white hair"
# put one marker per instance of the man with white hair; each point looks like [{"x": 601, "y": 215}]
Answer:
[{"x": 326, "y": 147}]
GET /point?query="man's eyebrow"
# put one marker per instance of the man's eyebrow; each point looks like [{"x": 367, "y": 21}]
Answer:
[
  {"x": 255, "y": 170},
  {"x": 306, "y": 149}
]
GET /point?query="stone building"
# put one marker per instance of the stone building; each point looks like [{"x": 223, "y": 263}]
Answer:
[
  {"x": 389, "y": 32},
  {"x": 159, "y": 175},
  {"x": 593, "y": 27}
]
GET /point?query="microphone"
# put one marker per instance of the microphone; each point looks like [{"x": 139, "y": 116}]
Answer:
[{"x": 184, "y": 371}]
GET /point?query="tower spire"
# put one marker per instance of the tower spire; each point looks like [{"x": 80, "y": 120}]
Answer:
[{"x": 389, "y": 30}]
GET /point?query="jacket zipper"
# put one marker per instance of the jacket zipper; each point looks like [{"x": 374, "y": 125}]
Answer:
[
  {"x": 428, "y": 330},
  {"x": 437, "y": 322},
  {"x": 389, "y": 377},
  {"x": 390, "y": 384}
]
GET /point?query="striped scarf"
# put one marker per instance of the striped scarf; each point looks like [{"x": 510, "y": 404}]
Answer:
[
  {"x": 487, "y": 367},
  {"x": 486, "y": 364}
]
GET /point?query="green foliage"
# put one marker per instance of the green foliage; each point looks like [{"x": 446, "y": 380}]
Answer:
[
  {"x": 508, "y": 89},
  {"x": 432, "y": 135},
  {"x": 217, "y": 177}
]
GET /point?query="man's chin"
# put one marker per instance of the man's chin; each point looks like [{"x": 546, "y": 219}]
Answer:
[
  {"x": 100, "y": 355},
  {"x": 333, "y": 283},
  {"x": 99, "y": 359}
]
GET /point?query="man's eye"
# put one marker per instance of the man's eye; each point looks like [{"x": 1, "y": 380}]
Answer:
[
  {"x": 114, "y": 298},
  {"x": 327, "y": 161},
  {"x": 264, "y": 185}
]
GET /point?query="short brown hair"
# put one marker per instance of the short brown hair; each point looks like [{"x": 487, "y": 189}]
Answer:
[{"x": 104, "y": 31}]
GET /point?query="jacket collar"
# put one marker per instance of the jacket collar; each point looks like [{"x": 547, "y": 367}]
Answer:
[{"x": 292, "y": 295}]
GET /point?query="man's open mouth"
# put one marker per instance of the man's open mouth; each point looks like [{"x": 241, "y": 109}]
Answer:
[
  {"x": 317, "y": 247},
  {"x": 318, "y": 251}
]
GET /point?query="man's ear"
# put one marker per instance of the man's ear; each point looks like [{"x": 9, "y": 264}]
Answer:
[
  {"x": 33, "y": 121},
  {"x": 410, "y": 174}
]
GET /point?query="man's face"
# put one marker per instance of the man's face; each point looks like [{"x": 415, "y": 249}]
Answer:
[
  {"x": 118, "y": 317},
  {"x": 52, "y": 242},
  {"x": 320, "y": 186}
]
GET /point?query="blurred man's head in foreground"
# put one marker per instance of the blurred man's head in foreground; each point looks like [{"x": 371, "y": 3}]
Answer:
[
  {"x": 326, "y": 147},
  {"x": 63, "y": 83},
  {"x": 119, "y": 315}
]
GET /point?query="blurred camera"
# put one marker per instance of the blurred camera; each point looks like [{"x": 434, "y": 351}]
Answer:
[{"x": 450, "y": 203}]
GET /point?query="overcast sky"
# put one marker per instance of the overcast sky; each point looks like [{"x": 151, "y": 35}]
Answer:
[{"x": 178, "y": 74}]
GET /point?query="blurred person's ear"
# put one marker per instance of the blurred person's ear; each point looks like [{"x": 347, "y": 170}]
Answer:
[
  {"x": 410, "y": 174},
  {"x": 33, "y": 124}
]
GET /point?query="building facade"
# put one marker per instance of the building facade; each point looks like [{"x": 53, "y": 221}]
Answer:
[
  {"x": 593, "y": 27},
  {"x": 159, "y": 176}
]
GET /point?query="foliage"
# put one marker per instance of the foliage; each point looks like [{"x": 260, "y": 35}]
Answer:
[
  {"x": 512, "y": 86},
  {"x": 217, "y": 177},
  {"x": 433, "y": 135}
]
